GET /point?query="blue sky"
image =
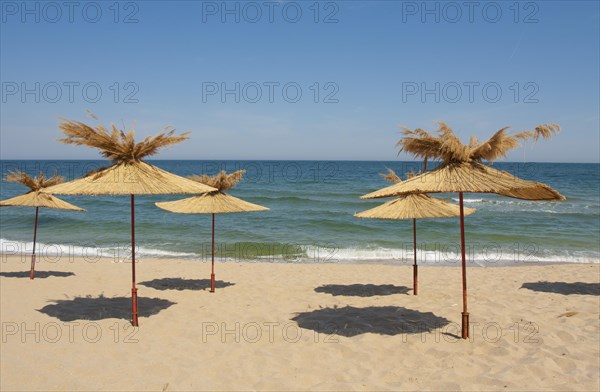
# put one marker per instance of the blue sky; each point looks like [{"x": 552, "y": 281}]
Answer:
[{"x": 361, "y": 68}]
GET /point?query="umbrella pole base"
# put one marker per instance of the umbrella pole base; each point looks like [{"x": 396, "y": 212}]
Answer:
[
  {"x": 465, "y": 325},
  {"x": 212, "y": 283},
  {"x": 415, "y": 279},
  {"x": 32, "y": 270},
  {"x": 134, "y": 306}
]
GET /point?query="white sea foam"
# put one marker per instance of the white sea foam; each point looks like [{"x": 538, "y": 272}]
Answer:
[
  {"x": 119, "y": 253},
  {"x": 465, "y": 200},
  {"x": 446, "y": 255}
]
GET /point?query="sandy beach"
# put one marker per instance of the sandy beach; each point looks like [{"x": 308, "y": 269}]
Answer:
[{"x": 296, "y": 327}]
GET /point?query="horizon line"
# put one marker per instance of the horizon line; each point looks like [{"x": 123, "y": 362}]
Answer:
[{"x": 286, "y": 160}]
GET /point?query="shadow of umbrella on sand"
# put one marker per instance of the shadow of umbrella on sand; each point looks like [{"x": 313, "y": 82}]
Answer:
[
  {"x": 129, "y": 174},
  {"x": 361, "y": 290},
  {"x": 414, "y": 206},
  {"x": 183, "y": 284},
  {"x": 350, "y": 321},
  {"x": 462, "y": 170},
  {"x": 213, "y": 203},
  {"x": 100, "y": 308},
  {"x": 36, "y": 198},
  {"x": 38, "y": 274}
]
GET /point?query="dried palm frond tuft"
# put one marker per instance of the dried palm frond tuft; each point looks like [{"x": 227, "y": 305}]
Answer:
[
  {"x": 451, "y": 148},
  {"x": 391, "y": 176},
  {"x": 115, "y": 144},
  {"x": 495, "y": 147},
  {"x": 222, "y": 180},
  {"x": 448, "y": 148},
  {"x": 420, "y": 143},
  {"x": 546, "y": 131},
  {"x": 473, "y": 141},
  {"x": 33, "y": 183}
]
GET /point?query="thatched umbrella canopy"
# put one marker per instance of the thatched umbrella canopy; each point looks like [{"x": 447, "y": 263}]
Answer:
[
  {"x": 37, "y": 198},
  {"x": 413, "y": 206},
  {"x": 216, "y": 202},
  {"x": 461, "y": 176},
  {"x": 128, "y": 175},
  {"x": 462, "y": 170}
]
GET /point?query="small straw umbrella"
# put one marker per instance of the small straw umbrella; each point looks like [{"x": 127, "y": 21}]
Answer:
[
  {"x": 129, "y": 174},
  {"x": 37, "y": 198},
  {"x": 215, "y": 202},
  {"x": 414, "y": 206},
  {"x": 462, "y": 170}
]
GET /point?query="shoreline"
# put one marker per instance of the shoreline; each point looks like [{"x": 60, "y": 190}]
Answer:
[{"x": 477, "y": 263}]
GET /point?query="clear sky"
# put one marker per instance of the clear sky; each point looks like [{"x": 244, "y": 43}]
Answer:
[{"x": 321, "y": 80}]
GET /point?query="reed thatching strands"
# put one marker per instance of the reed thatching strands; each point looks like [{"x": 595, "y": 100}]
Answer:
[
  {"x": 128, "y": 175},
  {"x": 130, "y": 178},
  {"x": 213, "y": 203},
  {"x": 210, "y": 203},
  {"x": 462, "y": 170},
  {"x": 413, "y": 206},
  {"x": 472, "y": 177},
  {"x": 37, "y": 198}
]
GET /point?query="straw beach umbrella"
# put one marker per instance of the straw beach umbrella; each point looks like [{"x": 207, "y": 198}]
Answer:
[
  {"x": 37, "y": 198},
  {"x": 128, "y": 175},
  {"x": 413, "y": 206},
  {"x": 215, "y": 202},
  {"x": 462, "y": 170}
]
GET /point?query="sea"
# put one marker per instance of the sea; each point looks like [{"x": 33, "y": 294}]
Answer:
[{"x": 311, "y": 218}]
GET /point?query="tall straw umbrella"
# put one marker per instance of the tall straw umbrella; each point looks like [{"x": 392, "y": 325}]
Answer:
[
  {"x": 413, "y": 206},
  {"x": 462, "y": 170},
  {"x": 37, "y": 198},
  {"x": 216, "y": 202},
  {"x": 128, "y": 175}
]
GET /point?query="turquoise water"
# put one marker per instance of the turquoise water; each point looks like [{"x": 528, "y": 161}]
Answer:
[{"x": 311, "y": 218}]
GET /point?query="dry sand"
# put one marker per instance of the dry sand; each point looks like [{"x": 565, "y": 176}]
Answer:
[{"x": 297, "y": 327}]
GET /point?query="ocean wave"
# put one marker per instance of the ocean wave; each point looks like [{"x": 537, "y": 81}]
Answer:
[
  {"x": 121, "y": 252},
  {"x": 468, "y": 200},
  {"x": 323, "y": 253},
  {"x": 495, "y": 256},
  {"x": 535, "y": 207}
]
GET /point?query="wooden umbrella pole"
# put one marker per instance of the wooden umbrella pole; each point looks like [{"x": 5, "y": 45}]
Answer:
[
  {"x": 212, "y": 274},
  {"x": 465, "y": 313},
  {"x": 415, "y": 267},
  {"x": 32, "y": 270},
  {"x": 134, "y": 300}
]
